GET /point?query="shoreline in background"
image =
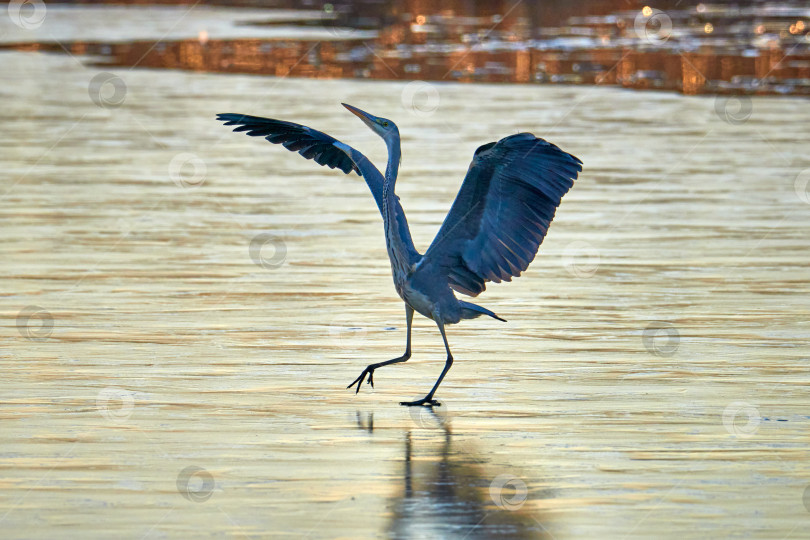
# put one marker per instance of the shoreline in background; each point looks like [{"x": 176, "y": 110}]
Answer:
[{"x": 697, "y": 49}]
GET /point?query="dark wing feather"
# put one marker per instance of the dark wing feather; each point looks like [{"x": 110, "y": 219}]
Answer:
[
  {"x": 308, "y": 142},
  {"x": 502, "y": 211}
]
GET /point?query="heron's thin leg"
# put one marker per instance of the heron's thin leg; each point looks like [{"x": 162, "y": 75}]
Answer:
[
  {"x": 370, "y": 369},
  {"x": 428, "y": 399},
  {"x": 447, "y": 364}
]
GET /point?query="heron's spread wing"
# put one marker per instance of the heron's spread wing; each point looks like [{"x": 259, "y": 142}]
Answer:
[
  {"x": 502, "y": 211},
  {"x": 308, "y": 142}
]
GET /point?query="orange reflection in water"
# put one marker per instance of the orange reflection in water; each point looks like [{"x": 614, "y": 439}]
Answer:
[{"x": 643, "y": 47}]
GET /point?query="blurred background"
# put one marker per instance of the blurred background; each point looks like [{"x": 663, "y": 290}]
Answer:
[{"x": 691, "y": 47}]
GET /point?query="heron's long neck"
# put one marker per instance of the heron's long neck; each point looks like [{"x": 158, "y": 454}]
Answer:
[
  {"x": 397, "y": 235},
  {"x": 392, "y": 169}
]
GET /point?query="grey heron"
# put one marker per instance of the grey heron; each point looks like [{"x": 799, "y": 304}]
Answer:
[{"x": 492, "y": 232}]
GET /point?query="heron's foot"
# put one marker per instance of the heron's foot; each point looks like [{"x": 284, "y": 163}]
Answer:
[
  {"x": 359, "y": 380},
  {"x": 424, "y": 402}
]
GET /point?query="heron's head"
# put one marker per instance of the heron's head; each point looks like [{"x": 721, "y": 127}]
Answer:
[{"x": 383, "y": 127}]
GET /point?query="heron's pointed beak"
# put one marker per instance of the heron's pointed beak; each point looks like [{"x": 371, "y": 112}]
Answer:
[{"x": 368, "y": 119}]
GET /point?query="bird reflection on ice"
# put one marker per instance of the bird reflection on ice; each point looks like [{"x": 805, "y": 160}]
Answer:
[{"x": 445, "y": 489}]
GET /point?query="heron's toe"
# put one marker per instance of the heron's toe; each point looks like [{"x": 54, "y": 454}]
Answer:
[{"x": 421, "y": 403}]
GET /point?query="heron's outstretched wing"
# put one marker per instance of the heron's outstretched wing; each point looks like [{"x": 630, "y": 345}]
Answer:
[
  {"x": 306, "y": 141},
  {"x": 315, "y": 145},
  {"x": 502, "y": 211}
]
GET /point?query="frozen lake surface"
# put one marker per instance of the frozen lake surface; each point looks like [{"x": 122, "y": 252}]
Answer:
[{"x": 652, "y": 380}]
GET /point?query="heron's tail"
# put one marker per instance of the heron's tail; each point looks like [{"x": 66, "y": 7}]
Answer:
[{"x": 471, "y": 311}]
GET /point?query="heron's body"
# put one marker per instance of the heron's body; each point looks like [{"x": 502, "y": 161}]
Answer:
[{"x": 492, "y": 233}]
